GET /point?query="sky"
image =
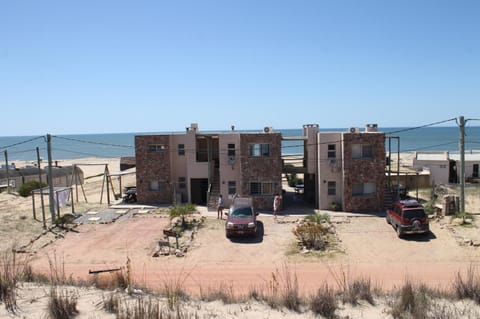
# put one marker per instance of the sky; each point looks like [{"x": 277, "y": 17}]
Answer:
[{"x": 111, "y": 66}]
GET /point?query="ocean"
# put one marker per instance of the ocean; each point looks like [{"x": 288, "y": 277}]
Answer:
[{"x": 23, "y": 148}]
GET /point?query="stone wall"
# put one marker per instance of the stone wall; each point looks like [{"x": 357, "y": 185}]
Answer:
[
  {"x": 364, "y": 171},
  {"x": 153, "y": 166},
  {"x": 261, "y": 169}
]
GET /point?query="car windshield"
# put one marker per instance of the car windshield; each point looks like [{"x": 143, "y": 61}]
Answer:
[
  {"x": 242, "y": 212},
  {"x": 414, "y": 213}
]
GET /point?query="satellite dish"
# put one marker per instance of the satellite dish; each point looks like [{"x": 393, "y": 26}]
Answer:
[{"x": 231, "y": 160}]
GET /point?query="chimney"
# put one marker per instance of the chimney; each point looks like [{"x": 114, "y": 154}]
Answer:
[{"x": 371, "y": 128}]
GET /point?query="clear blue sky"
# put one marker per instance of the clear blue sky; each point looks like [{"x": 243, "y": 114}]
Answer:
[{"x": 138, "y": 66}]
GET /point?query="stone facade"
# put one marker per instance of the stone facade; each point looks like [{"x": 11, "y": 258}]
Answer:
[
  {"x": 152, "y": 156},
  {"x": 364, "y": 170},
  {"x": 261, "y": 169}
]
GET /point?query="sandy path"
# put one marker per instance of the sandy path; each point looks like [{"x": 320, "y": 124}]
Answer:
[{"x": 371, "y": 250}]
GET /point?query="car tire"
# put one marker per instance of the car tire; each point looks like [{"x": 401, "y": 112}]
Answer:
[
  {"x": 388, "y": 219},
  {"x": 399, "y": 232}
]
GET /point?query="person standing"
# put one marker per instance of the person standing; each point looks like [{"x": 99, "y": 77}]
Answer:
[
  {"x": 277, "y": 202},
  {"x": 220, "y": 207}
]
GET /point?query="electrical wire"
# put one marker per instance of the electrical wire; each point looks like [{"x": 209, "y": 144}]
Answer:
[
  {"x": 419, "y": 127},
  {"x": 92, "y": 142},
  {"x": 22, "y": 142}
]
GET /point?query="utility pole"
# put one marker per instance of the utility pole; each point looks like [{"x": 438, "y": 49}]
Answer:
[
  {"x": 41, "y": 188},
  {"x": 7, "y": 171},
  {"x": 462, "y": 164},
  {"x": 51, "y": 199}
]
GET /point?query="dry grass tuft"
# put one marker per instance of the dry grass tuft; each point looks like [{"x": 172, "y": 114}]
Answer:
[
  {"x": 468, "y": 287},
  {"x": 324, "y": 302},
  {"x": 411, "y": 302},
  {"x": 62, "y": 304}
]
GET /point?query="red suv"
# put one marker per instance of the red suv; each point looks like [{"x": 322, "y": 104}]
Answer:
[
  {"x": 242, "y": 218},
  {"x": 408, "y": 217}
]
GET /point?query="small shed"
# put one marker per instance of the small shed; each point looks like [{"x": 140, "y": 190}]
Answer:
[
  {"x": 20, "y": 176},
  {"x": 62, "y": 176},
  {"x": 127, "y": 162}
]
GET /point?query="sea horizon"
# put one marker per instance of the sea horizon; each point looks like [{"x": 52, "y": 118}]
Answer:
[{"x": 113, "y": 145}]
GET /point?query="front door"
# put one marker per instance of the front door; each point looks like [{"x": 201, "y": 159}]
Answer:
[{"x": 198, "y": 189}]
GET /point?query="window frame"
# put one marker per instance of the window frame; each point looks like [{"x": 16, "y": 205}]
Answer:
[
  {"x": 181, "y": 149},
  {"x": 364, "y": 187},
  {"x": 161, "y": 186},
  {"x": 232, "y": 187},
  {"x": 157, "y": 148},
  {"x": 182, "y": 182},
  {"x": 362, "y": 151},
  {"x": 261, "y": 188},
  {"x": 332, "y": 188},
  {"x": 231, "y": 149},
  {"x": 259, "y": 150},
  {"x": 332, "y": 151}
]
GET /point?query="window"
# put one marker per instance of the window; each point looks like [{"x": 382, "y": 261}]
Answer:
[
  {"x": 259, "y": 150},
  {"x": 181, "y": 149},
  {"x": 232, "y": 187},
  {"x": 257, "y": 188},
  {"x": 157, "y": 148},
  {"x": 267, "y": 188},
  {"x": 157, "y": 186},
  {"x": 364, "y": 189},
  {"x": 231, "y": 150},
  {"x": 332, "y": 153},
  {"x": 332, "y": 188},
  {"x": 362, "y": 151},
  {"x": 182, "y": 183}
]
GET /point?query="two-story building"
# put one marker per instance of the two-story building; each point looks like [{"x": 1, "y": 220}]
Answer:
[
  {"x": 198, "y": 166},
  {"x": 350, "y": 166},
  {"x": 347, "y": 168}
]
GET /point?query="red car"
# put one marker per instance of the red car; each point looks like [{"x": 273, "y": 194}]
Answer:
[
  {"x": 242, "y": 218},
  {"x": 408, "y": 217}
]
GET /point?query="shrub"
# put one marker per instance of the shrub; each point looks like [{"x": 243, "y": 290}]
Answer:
[
  {"x": 62, "y": 304},
  {"x": 360, "y": 289},
  {"x": 182, "y": 211},
  {"x": 335, "y": 206},
  {"x": 468, "y": 287},
  {"x": 412, "y": 302},
  {"x": 26, "y": 189},
  {"x": 319, "y": 218},
  {"x": 324, "y": 303},
  {"x": 313, "y": 235}
]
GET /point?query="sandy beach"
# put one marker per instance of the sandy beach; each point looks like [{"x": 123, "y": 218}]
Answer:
[{"x": 366, "y": 243}]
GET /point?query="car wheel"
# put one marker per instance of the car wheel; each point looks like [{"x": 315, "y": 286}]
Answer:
[
  {"x": 399, "y": 232},
  {"x": 388, "y": 219}
]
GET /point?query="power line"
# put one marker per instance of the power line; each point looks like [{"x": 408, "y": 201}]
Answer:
[
  {"x": 80, "y": 153},
  {"x": 92, "y": 142},
  {"x": 22, "y": 142},
  {"x": 419, "y": 127}
]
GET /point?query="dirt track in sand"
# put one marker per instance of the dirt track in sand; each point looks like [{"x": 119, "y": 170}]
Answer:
[{"x": 370, "y": 249}]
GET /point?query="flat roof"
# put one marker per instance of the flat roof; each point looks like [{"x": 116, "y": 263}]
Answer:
[{"x": 432, "y": 156}]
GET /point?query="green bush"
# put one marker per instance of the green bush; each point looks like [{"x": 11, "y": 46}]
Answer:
[{"x": 28, "y": 187}]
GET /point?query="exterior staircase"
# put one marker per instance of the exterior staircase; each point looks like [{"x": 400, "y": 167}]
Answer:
[{"x": 214, "y": 192}]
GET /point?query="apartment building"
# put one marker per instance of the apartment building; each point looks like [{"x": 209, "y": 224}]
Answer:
[
  {"x": 349, "y": 168},
  {"x": 197, "y": 166}
]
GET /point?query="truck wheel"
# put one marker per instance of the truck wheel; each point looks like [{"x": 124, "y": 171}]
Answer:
[{"x": 399, "y": 232}]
